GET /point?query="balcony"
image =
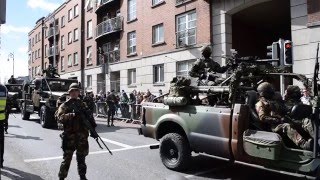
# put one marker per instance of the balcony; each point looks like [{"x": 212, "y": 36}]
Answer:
[
  {"x": 51, "y": 51},
  {"x": 53, "y": 30},
  {"x": 103, "y": 4},
  {"x": 109, "y": 26},
  {"x": 112, "y": 56},
  {"x": 186, "y": 37}
]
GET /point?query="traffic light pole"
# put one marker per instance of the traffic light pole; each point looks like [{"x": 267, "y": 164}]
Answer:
[{"x": 282, "y": 82}]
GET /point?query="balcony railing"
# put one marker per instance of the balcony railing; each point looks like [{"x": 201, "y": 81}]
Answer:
[
  {"x": 186, "y": 37},
  {"x": 109, "y": 26},
  {"x": 51, "y": 32},
  {"x": 103, "y": 3},
  {"x": 51, "y": 51},
  {"x": 113, "y": 56}
]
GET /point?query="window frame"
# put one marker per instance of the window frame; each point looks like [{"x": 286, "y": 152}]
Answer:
[
  {"x": 184, "y": 73},
  {"x": 132, "y": 77},
  {"x": 70, "y": 15},
  {"x": 70, "y": 38},
  {"x": 89, "y": 35},
  {"x": 157, "y": 69},
  {"x": 132, "y": 43},
  {"x": 63, "y": 23},
  {"x": 62, "y": 63},
  {"x": 75, "y": 58},
  {"x": 75, "y": 35},
  {"x": 63, "y": 42},
  {"x": 132, "y": 5},
  {"x": 187, "y": 22},
  {"x": 89, "y": 83},
  {"x": 156, "y": 34},
  {"x": 69, "y": 60},
  {"x": 87, "y": 54},
  {"x": 75, "y": 11}
]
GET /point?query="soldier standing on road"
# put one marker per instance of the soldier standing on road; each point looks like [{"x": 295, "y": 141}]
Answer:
[
  {"x": 269, "y": 115},
  {"x": 3, "y": 103},
  {"x": 75, "y": 135},
  {"x": 111, "y": 100},
  {"x": 206, "y": 67}
]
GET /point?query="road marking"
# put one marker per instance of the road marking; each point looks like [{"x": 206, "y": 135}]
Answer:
[
  {"x": 200, "y": 173},
  {"x": 91, "y": 153},
  {"x": 116, "y": 143}
]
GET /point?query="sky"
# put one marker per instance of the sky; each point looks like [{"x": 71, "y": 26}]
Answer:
[{"x": 21, "y": 17}]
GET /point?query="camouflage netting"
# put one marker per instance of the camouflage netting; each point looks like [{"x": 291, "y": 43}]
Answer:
[{"x": 180, "y": 87}]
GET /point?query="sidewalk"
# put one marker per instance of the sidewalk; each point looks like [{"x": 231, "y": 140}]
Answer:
[{"x": 117, "y": 122}]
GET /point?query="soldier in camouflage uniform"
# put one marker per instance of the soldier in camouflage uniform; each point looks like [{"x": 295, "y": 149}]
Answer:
[
  {"x": 75, "y": 135},
  {"x": 206, "y": 67},
  {"x": 292, "y": 97},
  {"x": 270, "y": 115}
]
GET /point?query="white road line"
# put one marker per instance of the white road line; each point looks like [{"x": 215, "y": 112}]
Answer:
[
  {"x": 91, "y": 153},
  {"x": 116, "y": 143},
  {"x": 200, "y": 173}
]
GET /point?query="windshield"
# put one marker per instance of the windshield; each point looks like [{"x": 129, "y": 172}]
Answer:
[
  {"x": 14, "y": 88},
  {"x": 57, "y": 85}
]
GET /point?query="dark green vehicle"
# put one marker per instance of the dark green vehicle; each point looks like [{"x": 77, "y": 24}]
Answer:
[
  {"x": 14, "y": 94},
  {"x": 230, "y": 130},
  {"x": 40, "y": 96}
]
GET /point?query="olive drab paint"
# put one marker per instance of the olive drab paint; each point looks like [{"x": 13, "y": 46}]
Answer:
[{"x": 3, "y": 102}]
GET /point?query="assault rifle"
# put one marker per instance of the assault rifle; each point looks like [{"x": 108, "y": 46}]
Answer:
[{"x": 88, "y": 121}]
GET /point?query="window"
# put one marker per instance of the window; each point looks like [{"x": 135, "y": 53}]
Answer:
[
  {"x": 89, "y": 55},
  {"x": 89, "y": 81},
  {"x": 69, "y": 60},
  {"x": 157, "y": 34},
  {"x": 132, "y": 42},
  {"x": 62, "y": 42},
  {"x": 62, "y": 21},
  {"x": 89, "y": 4},
  {"x": 70, "y": 15},
  {"x": 36, "y": 38},
  {"x": 131, "y": 76},
  {"x": 75, "y": 58},
  {"x": 76, "y": 11},
  {"x": 62, "y": 63},
  {"x": 70, "y": 37},
  {"x": 38, "y": 53},
  {"x": 184, "y": 67},
  {"x": 75, "y": 35},
  {"x": 39, "y": 38},
  {"x": 158, "y": 73},
  {"x": 132, "y": 10},
  {"x": 155, "y": 2},
  {"x": 32, "y": 41},
  {"x": 187, "y": 27},
  {"x": 89, "y": 29}
]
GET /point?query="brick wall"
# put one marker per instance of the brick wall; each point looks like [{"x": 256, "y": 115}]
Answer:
[{"x": 313, "y": 11}]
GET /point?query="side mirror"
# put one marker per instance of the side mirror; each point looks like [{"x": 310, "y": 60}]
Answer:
[{"x": 301, "y": 111}]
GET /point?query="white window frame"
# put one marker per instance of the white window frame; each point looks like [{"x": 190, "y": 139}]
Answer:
[
  {"x": 76, "y": 34},
  {"x": 63, "y": 21},
  {"x": 156, "y": 2},
  {"x": 89, "y": 29},
  {"x": 69, "y": 60},
  {"x": 63, "y": 42},
  {"x": 132, "y": 77},
  {"x": 76, "y": 11},
  {"x": 132, "y": 10},
  {"x": 70, "y": 37},
  {"x": 132, "y": 42},
  {"x": 89, "y": 55},
  {"x": 75, "y": 58},
  {"x": 185, "y": 33},
  {"x": 70, "y": 13},
  {"x": 89, "y": 81},
  {"x": 185, "y": 72},
  {"x": 157, "y": 71},
  {"x": 62, "y": 63},
  {"x": 156, "y": 34}
]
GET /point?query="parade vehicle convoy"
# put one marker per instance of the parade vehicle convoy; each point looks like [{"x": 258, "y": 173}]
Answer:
[
  {"x": 41, "y": 95},
  {"x": 230, "y": 128},
  {"x": 14, "y": 94}
]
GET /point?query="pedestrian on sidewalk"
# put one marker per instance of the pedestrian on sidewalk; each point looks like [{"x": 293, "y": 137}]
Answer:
[{"x": 75, "y": 134}]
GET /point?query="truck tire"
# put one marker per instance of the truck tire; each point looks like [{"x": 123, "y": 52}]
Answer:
[
  {"x": 175, "y": 151},
  {"x": 45, "y": 118},
  {"x": 24, "y": 115}
]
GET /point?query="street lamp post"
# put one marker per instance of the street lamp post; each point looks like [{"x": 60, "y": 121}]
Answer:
[{"x": 11, "y": 55}]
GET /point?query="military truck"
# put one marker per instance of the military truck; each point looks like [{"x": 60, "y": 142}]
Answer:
[
  {"x": 14, "y": 94},
  {"x": 221, "y": 121},
  {"x": 40, "y": 96}
]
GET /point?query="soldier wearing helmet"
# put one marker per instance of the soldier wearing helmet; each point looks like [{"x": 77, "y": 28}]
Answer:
[
  {"x": 206, "y": 67},
  {"x": 75, "y": 134},
  {"x": 270, "y": 114}
]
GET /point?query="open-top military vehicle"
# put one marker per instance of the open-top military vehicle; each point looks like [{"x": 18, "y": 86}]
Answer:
[
  {"x": 221, "y": 121},
  {"x": 14, "y": 94},
  {"x": 41, "y": 95}
]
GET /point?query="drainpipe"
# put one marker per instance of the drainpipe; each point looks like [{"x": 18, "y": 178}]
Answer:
[
  {"x": 82, "y": 43},
  {"x": 42, "y": 44}
]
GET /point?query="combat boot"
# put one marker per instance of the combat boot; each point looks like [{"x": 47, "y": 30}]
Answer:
[
  {"x": 83, "y": 177},
  {"x": 306, "y": 145}
]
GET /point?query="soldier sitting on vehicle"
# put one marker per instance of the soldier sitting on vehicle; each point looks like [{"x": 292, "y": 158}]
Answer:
[
  {"x": 12, "y": 80},
  {"x": 205, "y": 68},
  {"x": 270, "y": 115},
  {"x": 51, "y": 72}
]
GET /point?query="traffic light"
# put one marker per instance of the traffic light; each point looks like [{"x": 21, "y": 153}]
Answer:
[
  {"x": 287, "y": 54},
  {"x": 273, "y": 50}
]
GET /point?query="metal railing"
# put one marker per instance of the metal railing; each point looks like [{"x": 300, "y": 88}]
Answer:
[
  {"x": 51, "y": 51},
  {"x": 51, "y": 32},
  {"x": 186, "y": 37},
  {"x": 109, "y": 26},
  {"x": 112, "y": 56}
]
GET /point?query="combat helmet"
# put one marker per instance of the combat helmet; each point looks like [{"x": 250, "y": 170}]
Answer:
[
  {"x": 266, "y": 89},
  {"x": 293, "y": 92},
  {"x": 206, "y": 51},
  {"x": 74, "y": 86}
]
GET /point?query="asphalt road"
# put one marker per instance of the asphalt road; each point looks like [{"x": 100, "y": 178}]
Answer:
[{"x": 34, "y": 153}]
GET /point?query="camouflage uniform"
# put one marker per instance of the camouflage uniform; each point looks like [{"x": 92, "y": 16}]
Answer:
[
  {"x": 206, "y": 67},
  {"x": 268, "y": 112},
  {"x": 111, "y": 99},
  {"x": 74, "y": 137}
]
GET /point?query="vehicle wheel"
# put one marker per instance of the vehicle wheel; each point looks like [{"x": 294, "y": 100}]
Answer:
[
  {"x": 24, "y": 115},
  {"x": 175, "y": 151},
  {"x": 44, "y": 117}
]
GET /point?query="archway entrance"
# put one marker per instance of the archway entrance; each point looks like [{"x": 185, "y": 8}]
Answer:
[{"x": 257, "y": 26}]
